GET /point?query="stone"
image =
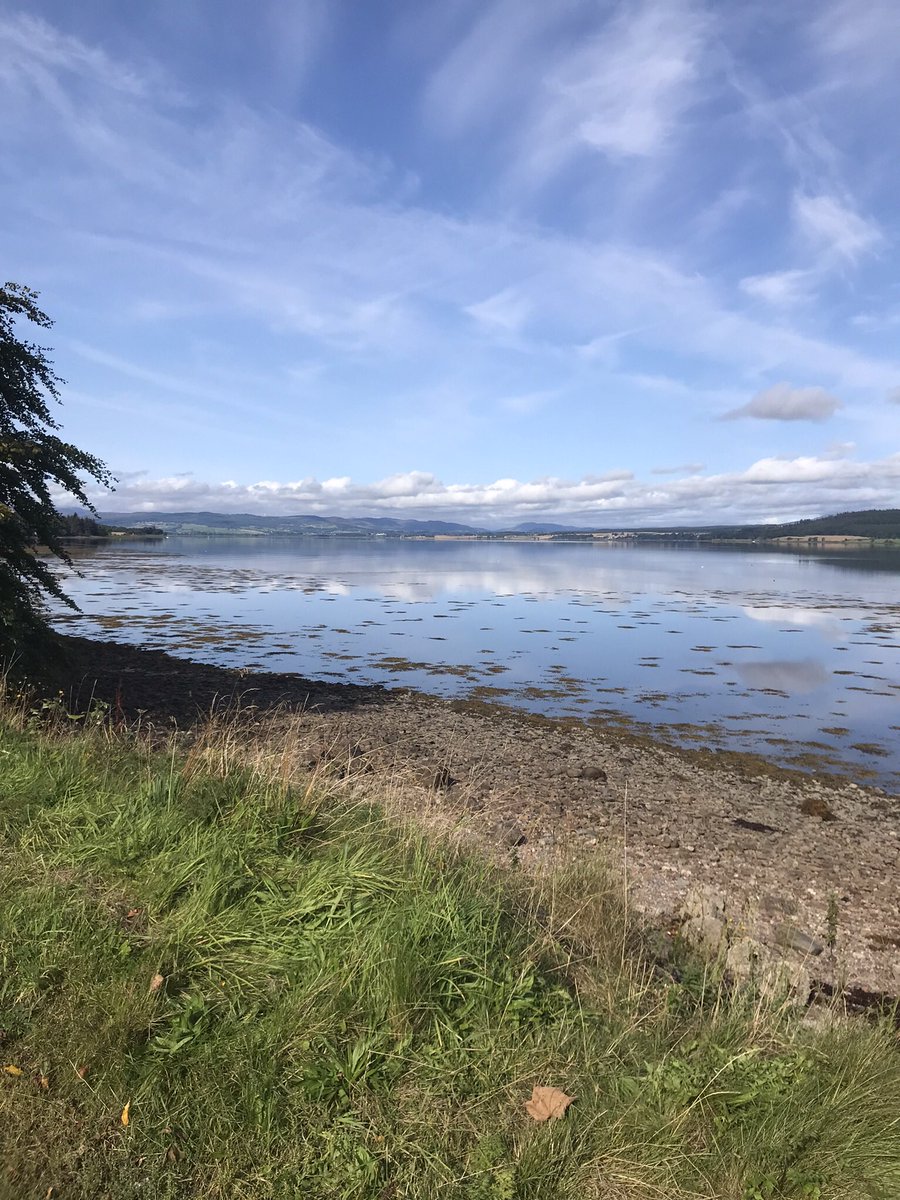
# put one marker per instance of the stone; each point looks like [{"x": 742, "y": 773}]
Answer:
[
  {"x": 510, "y": 834},
  {"x": 786, "y": 981},
  {"x": 596, "y": 774},
  {"x": 704, "y": 902},
  {"x": 793, "y": 938},
  {"x": 775, "y": 905},
  {"x": 704, "y": 932},
  {"x": 744, "y": 957},
  {"x": 817, "y": 806}
]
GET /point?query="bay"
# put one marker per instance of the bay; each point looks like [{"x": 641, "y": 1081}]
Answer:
[{"x": 795, "y": 656}]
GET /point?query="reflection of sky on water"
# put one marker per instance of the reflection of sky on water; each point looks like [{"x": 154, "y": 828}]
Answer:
[
  {"x": 764, "y": 651},
  {"x": 804, "y": 676},
  {"x": 786, "y": 614}
]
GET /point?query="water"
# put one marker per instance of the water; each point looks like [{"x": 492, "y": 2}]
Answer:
[{"x": 790, "y": 655}]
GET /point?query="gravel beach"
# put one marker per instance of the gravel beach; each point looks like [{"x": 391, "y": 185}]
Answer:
[{"x": 767, "y": 850}]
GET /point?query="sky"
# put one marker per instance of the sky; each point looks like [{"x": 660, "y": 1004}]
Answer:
[{"x": 482, "y": 260}]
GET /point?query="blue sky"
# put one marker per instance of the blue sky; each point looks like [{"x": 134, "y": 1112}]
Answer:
[{"x": 488, "y": 260}]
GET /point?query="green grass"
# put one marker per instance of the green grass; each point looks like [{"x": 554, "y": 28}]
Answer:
[{"x": 350, "y": 1008}]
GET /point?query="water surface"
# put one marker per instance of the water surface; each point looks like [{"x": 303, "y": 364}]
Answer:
[{"x": 792, "y": 655}]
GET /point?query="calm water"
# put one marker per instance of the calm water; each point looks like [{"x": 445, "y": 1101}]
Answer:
[{"x": 785, "y": 654}]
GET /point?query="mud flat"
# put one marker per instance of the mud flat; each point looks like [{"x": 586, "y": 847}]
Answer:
[{"x": 800, "y": 860}]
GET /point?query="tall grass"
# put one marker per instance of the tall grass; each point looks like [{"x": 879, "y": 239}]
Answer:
[{"x": 298, "y": 995}]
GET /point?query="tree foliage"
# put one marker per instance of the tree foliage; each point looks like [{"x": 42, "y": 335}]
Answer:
[{"x": 33, "y": 460}]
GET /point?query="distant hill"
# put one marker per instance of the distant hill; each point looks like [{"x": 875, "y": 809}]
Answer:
[
  {"x": 544, "y": 527},
  {"x": 211, "y": 523},
  {"x": 881, "y": 523}
]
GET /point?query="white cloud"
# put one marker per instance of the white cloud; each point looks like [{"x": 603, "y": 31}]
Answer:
[
  {"x": 625, "y": 90},
  {"x": 767, "y": 488},
  {"x": 783, "y": 402},
  {"x": 780, "y": 288},
  {"x": 834, "y": 226},
  {"x": 621, "y": 89}
]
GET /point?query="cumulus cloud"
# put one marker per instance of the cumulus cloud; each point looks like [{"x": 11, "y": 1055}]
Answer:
[
  {"x": 768, "y": 489},
  {"x": 783, "y": 402}
]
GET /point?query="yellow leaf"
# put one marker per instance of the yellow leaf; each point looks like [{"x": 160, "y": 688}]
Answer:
[
  {"x": 11, "y": 1070},
  {"x": 547, "y": 1103},
  {"x": 125, "y": 1112}
]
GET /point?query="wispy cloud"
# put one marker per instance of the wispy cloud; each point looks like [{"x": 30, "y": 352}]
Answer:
[
  {"x": 779, "y": 288},
  {"x": 833, "y": 226},
  {"x": 620, "y": 89},
  {"x": 624, "y": 92}
]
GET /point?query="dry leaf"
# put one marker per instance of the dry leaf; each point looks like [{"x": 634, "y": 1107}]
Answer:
[
  {"x": 11, "y": 1070},
  {"x": 125, "y": 1111},
  {"x": 156, "y": 982},
  {"x": 81, "y": 1072},
  {"x": 43, "y": 1083},
  {"x": 547, "y": 1104},
  {"x": 132, "y": 913}
]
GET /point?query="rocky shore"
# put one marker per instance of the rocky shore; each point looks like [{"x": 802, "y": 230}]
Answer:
[{"x": 763, "y": 863}]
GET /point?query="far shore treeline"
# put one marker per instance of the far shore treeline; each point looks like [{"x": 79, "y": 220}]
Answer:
[
  {"x": 74, "y": 525},
  {"x": 876, "y": 525}
]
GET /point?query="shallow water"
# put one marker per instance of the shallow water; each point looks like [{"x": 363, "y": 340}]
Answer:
[{"x": 795, "y": 656}]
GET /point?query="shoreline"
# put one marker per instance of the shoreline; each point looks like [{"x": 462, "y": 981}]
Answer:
[{"x": 775, "y": 845}]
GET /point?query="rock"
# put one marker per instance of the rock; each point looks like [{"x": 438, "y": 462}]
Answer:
[
  {"x": 793, "y": 938},
  {"x": 778, "y": 906},
  {"x": 703, "y": 902},
  {"x": 705, "y": 933},
  {"x": 754, "y": 826},
  {"x": 743, "y": 958},
  {"x": 818, "y": 806},
  {"x": 593, "y": 773},
  {"x": 786, "y": 981},
  {"x": 510, "y": 834}
]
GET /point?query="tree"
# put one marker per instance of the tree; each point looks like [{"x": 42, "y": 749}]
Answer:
[{"x": 33, "y": 458}]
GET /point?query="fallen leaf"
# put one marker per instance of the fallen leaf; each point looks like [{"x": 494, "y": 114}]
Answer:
[
  {"x": 43, "y": 1083},
  {"x": 12, "y": 1070},
  {"x": 81, "y": 1072},
  {"x": 156, "y": 982},
  {"x": 125, "y": 1111},
  {"x": 132, "y": 913},
  {"x": 547, "y": 1103}
]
